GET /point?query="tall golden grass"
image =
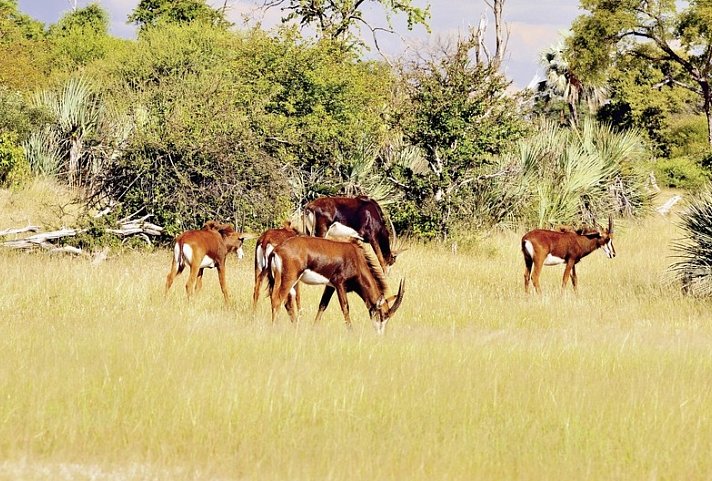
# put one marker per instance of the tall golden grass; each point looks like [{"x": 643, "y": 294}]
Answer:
[{"x": 101, "y": 377}]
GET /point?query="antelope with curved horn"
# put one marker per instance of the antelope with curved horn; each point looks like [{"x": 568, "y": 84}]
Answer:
[
  {"x": 205, "y": 248},
  {"x": 542, "y": 247},
  {"x": 363, "y": 218},
  {"x": 341, "y": 266}
]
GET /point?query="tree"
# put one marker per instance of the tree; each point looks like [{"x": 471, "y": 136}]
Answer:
[
  {"x": 563, "y": 84},
  {"x": 15, "y": 24},
  {"x": 639, "y": 97},
  {"x": 24, "y": 62},
  {"x": 152, "y": 12},
  {"x": 80, "y": 37},
  {"x": 457, "y": 113},
  {"x": 340, "y": 20},
  {"x": 651, "y": 29}
]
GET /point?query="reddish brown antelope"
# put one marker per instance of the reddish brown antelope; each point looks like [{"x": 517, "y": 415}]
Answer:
[
  {"x": 360, "y": 217},
  {"x": 205, "y": 248},
  {"x": 265, "y": 245},
  {"x": 341, "y": 266},
  {"x": 564, "y": 246}
]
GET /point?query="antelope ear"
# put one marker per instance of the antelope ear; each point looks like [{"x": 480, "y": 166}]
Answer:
[
  {"x": 398, "y": 252},
  {"x": 247, "y": 236}
]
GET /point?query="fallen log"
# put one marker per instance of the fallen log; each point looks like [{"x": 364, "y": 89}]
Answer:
[{"x": 19, "y": 230}]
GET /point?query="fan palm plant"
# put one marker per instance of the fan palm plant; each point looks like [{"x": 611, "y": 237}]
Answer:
[
  {"x": 76, "y": 113},
  {"x": 560, "y": 175},
  {"x": 694, "y": 269},
  {"x": 562, "y": 83}
]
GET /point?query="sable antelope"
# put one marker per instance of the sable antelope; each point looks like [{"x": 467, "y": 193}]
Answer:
[
  {"x": 265, "y": 245},
  {"x": 341, "y": 266},
  {"x": 357, "y": 217},
  {"x": 273, "y": 237},
  {"x": 205, "y": 248},
  {"x": 563, "y": 246}
]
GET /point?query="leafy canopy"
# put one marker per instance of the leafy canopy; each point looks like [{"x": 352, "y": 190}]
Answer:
[{"x": 152, "y": 12}]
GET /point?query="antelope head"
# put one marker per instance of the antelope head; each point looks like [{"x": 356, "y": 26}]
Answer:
[
  {"x": 607, "y": 239},
  {"x": 386, "y": 308}
]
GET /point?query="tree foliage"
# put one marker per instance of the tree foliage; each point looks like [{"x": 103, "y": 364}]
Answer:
[
  {"x": 80, "y": 37},
  {"x": 680, "y": 42},
  {"x": 225, "y": 120},
  {"x": 341, "y": 20},
  {"x": 153, "y": 12},
  {"x": 459, "y": 115}
]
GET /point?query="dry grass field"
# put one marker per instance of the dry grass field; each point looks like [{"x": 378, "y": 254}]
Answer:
[{"x": 103, "y": 378}]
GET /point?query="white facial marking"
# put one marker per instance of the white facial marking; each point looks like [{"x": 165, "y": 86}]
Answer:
[
  {"x": 240, "y": 253},
  {"x": 607, "y": 249},
  {"x": 313, "y": 278},
  {"x": 292, "y": 292}
]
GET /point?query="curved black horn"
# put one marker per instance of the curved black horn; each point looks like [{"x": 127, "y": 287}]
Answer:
[{"x": 399, "y": 298}]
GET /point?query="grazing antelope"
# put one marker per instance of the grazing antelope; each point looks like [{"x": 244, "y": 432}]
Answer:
[
  {"x": 265, "y": 245},
  {"x": 205, "y": 248},
  {"x": 356, "y": 217},
  {"x": 563, "y": 246},
  {"x": 341, "y": 266}
]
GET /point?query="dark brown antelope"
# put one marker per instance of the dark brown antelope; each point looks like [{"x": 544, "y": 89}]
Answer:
[
  {"x": 265, "y": 245},
  {"x": 563, "y": 246},
  {"x": 341, "y": 266},
  {"x": 360, "y": 217},
  {"x": 205, "y": 248}
]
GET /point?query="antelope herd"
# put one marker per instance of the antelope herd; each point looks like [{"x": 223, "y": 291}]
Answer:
[{"x": 330, "y": 251}]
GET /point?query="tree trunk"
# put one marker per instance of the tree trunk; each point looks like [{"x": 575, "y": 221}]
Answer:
[
  {"x": 574, "y": 114},
  {"x": 75, "y": 152},
  {"x": 500, "y": 43},
  {"x": 707, "y": 94}
]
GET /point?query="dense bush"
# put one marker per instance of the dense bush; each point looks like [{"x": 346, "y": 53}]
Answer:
[
  {"x": 457, "y": 113},
  {"x": 14, "y": 167},
  {"x": 681, "y": 173},
  {"x": 224, "y": 121}
]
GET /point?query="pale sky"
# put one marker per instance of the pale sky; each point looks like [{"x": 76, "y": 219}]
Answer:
[{"x": 533, "y": 26}]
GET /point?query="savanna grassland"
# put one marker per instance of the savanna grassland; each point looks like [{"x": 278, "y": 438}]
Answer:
[{"x": 101, "y": 377}]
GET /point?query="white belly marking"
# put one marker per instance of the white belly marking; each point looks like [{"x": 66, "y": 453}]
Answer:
[
  {"x": 553, "y": 260},
  {"x": 313, "y": 278}
]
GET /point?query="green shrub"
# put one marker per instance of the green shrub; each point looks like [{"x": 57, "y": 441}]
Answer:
[
  {"x": 681, "y": 173},
  {"x": 14, "y": 168},
  {"x": 688, "y": 136},
  {"x": 694, "y": 270},
  {"x": 561, "y": 176}
]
